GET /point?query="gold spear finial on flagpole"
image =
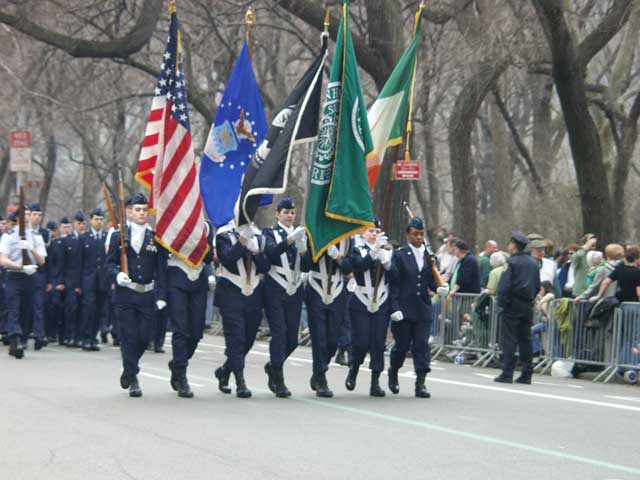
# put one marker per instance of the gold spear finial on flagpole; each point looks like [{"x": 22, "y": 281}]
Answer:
[
  {"x": 327, "y": 19},
  {"x": 172, "y": 6},
  {"x": 249, "y": 20}
]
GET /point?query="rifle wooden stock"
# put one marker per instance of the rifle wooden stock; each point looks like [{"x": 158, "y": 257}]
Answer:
[
  {"x": 22, "y": 227},
  {"x": 111, "y": 212},
  {"x": 124, "y": 263},
  {"x": 428, "y": 254}
]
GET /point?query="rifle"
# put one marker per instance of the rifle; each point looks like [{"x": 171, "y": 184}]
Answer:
[
  {"x": 124, "y": 264},
  {"x": 22, "y": 227},
  {"x": 429, "y": 251}
]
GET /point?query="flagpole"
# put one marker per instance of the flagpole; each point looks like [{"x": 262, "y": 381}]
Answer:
[
  {"x": 407, "y": 152},
  {"x": 249, "y": 19}
]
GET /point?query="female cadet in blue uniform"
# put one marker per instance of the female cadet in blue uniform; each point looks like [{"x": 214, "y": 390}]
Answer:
[
  {"x": 95, "y": 281},
  {"x": 326, "y": 305},
  {"x": 187, "y": 290},
  {"x": 411, "y": 308},
  {"x": 283, "y": 291},
  {"x": 369, "y": 307},
  {"x": 519, "y": 285},
  {"x": 19, "y": 282},
  {"x": 139, "y": 293},
  {"x": 239, "y": 296}
]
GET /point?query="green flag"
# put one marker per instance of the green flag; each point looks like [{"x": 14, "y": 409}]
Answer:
[
  {"x": 338, "y": 203},
  {"x": 388, "y": 115}
]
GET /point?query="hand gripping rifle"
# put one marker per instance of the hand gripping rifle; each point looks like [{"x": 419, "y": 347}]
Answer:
[
  {"x": 431, "y": 258},
  {"x": 22, "y": 227},
  {"x": 124, "y": 264}
]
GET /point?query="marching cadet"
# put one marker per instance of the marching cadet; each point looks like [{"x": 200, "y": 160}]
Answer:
[
  {"x": 411, "y": 315},
  {"x": 187, "y": 290},
  {"x": 326, "y": 304},
  {"x": 239, "y": 296},
  {"x": 51, "y": 315},
  {"x": 72, "y": 274},
  {"x": 283, "y": 291},
  {"x": 140, "y": 292},
  {"x": 19, "y": 282},
  {"x": 38, "y": 322},
  {"x": 3, "y": 303},
  {"x": 517, "y": 290},
  {"x": 56, "y": 278},
  {"x": 95, "y": 281},
  {"x": 370, "y": 306}
]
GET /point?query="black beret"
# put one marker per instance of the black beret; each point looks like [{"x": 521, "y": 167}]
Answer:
[
  {"x": 51, "y": 225},
  {"x": 417, "y": 223},
  {"x": 64, "y": 220},
  {"x": 79, "y": 216},
  {"x": 461, "y": 245},
  {"x": 137, "y": 199},
  {"x": 285, "y": 203},
  {"x": 96, "y": 212},
  {"x": 35, "y": 207},
  {"x": 12, "y": 217},
  {"x": 377, "y": 222},
  {"x": 519, "y": 237}
]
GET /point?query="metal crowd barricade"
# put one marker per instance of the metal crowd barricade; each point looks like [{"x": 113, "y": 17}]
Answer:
[
  {"x": 435, "y": 336},
  {"x": 573, "y": 336},
  {"x": 465, "y": 327},
  {"x": 626, "y": 341}
]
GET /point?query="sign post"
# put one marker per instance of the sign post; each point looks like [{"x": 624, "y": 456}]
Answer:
[{"x": 20, "y": 154}]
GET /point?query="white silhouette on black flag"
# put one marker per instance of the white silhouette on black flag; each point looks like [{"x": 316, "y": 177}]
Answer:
[{"x": 296, "y": 123}]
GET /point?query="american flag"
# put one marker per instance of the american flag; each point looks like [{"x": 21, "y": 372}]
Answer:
[{"x": 167, "y": 163}]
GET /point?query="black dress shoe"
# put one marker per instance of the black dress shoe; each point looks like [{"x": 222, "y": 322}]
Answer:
[
  {"x": 103, "y": 337},
  {"x": 313, "y": 382},
  {"x": 94, "y": 348},
  {"x": 222, "y": 374},
  {"x": 270, "y": 381},
  {"x": 341, "y": 357},
  {"x": 124, "y": 381},
  {"x": 184, "y": 390},
  {"x": 523, "y": 379},
  {"x": 86, "y": 348},
  {"x": 39, "y": 343},
  {"x": 376, "y": 390},
  {"x": 5, "y": 340},
  {"x": 241, "y": 387},
  {"x": 503, "y": 379},
  {"x": 421, "y": 389},
  {"x": 134, "y": 388},
  {"x": 394, "y": 386},
  {"x": 323, "y": 389},
  {"x": 350, "y": 381},
  {"x": 174, "y": 378},
  {"x": 281, "y": 389},
  {"x": 116, "y": 342},
  {"x": 158, "y": 350}
]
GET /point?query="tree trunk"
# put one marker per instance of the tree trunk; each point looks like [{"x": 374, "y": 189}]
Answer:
[
  {"x": 503, "y": 220},
  {"x": 49, "y": 170},
  {"x": 568, "y": 76}
]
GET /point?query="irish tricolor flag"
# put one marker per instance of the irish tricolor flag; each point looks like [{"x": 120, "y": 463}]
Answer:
[{"x": 388, "y": 115}]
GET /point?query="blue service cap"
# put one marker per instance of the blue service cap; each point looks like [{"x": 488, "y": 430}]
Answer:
[
  {"x": 51, "y": 225},
  {"x": 286, "y": 202},
  {"x": 12, "y": 217},
  {"x": 96, "y": 212},
  {"x": 35, "y": 207},
  {"x": 137, "y": 199},
  {"x": 64, "y": 220},
  {"x": 79, "y": 216},
  {"x": 377, "y": 222},
  {"x": 417, "y": 223},
  {"x": 519, "y": 237}
]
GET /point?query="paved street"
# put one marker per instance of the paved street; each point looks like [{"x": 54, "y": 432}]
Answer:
[{"x": 64, "y": 416}]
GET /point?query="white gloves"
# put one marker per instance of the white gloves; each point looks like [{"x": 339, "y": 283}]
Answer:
[
  {"x": 301, "y": 245},
  {"x": 30, "y": 269},
  {"x": 333, "y": 252},
  {"x": 24, "y": 245},
  {"x": 297, "y": 234},
  {"x": 397, "y": 316},
  {"x": 160, "y": 304},
  {"x": 382, "y": 240},
  {"x": 246, "y": 231},
  {"x": 443, "y": 291},
  {"x": 212, "y": 282},
  {"x": 123, "y": 279},
  {"x": 384, "y": 256},
  {"x": 252, "y": 245}
]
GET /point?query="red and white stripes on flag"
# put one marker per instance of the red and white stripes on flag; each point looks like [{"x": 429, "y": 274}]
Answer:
[{"x": 167, "y": 163}]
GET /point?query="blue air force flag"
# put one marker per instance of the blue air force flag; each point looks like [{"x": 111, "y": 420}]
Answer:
[{"x": 238, "y": 129}]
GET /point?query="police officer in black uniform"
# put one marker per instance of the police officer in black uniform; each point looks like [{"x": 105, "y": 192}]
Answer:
[{"x": 519, "y": 285}]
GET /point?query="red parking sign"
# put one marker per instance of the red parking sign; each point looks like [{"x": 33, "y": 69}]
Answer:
[{"x": 407, "y": 170}]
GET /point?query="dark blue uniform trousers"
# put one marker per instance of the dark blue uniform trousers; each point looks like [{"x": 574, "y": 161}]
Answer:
[
  {"x": 516, "y": 333},
  {"x": 345, "y": 338},
  {"x": 412, "y": 334},
  {"x": 241, "y": 316},
  {"x": 71, "y": 301},
  {"x": 369, "y": 334},
  {"x": 36, "y": 319},
  {"x": 324, "y": 327},
  {"x": 136, "y": 316},
  {"x": 55, "y": 316},
  {"x": 18, "y": 295},
  {"x": 283, "y": 314},
  {"x": 187, "y": 309},
  {"x": 3, "y": 310},
  {"x": 94, "y": 305}
]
